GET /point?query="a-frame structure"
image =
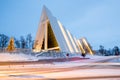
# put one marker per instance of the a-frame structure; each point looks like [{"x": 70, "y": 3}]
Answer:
[
  {"x": 51, "y": 35},
  {"x": 85, "y": 46}
]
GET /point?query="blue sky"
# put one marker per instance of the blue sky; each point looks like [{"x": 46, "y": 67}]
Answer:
[{"x": 97, "y": 20}]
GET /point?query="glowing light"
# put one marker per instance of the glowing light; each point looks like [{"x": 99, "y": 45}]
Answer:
[
  {"x": 86, "y": 44},
  {"x": 39, "y": 38},
  {"x": 65, "y": 36},
  {"x": 11, "y": 46},
  {"x": 74, "y": 45},
  {"x": 46, "y": 36},
  {"x": 81, "y": 47}
]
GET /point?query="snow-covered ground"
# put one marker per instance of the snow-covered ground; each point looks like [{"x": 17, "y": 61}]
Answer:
[
  {"x": 24, "y": 57},
  {"x": 19, "y": 57},
  {"x": 81, "y": 69},
  {"x": 16, "y": 57},
  {"x": 67, "y": 71}
]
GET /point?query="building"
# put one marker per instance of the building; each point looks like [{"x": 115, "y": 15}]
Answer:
[{"x": 52, "y": 35}]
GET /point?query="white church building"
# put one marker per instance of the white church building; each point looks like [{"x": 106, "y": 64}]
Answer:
[{"x": 52, "y": 35}]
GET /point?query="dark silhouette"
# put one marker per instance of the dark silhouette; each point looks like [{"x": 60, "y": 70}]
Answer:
[
  {"x": 23, "y": 43},
  {"x": 3, "y": 40},
  {"x": 102, "y": 50},
  {"x": 116, "y": 50},
  {"x": 29, "y": 40},
  {"x": 17, "y": 42}
]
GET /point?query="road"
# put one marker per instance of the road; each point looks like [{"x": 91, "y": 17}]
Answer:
[{"x": 52, "y": 71}]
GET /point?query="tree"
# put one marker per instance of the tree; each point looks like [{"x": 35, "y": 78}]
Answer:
[
  {"x": 11, "y": 46},
  {"x": 33, "y": 44},
  {"x": 116, "y": 50},
  {"x": 3, "y": 40},
  {"x": 23, "y": 43},
  {"x": 29, "y": 40},
  {"x": 0, "y": 39},
  {"x": 102, "y": 50},
  {"x": 17, "y": 42}
]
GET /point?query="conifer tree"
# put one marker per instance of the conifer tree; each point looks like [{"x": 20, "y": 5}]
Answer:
[{"x": 11, "y": 46}]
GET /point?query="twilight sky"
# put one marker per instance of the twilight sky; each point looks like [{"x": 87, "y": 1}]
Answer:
[{"x": 97, "y": 20}]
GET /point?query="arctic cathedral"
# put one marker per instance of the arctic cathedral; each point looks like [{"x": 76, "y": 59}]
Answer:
[{"x": 52, "y": 35}]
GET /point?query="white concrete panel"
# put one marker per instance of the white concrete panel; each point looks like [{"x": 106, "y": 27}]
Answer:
[
  {"x": 77, "y": 45},
  {"x": 73, "y": 42},
  {"x": 66, "y": 37}
]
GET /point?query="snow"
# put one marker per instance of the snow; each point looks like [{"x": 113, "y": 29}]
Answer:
[
  {"x": 69, "y": 70},
  {"x": 20, "y": 57},
  {"x": 16, "y": 57},
  {"x": 58, "y": 70},
  {"x": 83, "y": 73},
  {"x": 28, "y": 57}
]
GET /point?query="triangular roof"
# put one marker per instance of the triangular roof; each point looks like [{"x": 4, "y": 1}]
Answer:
[{"x": 64, "y": 40}]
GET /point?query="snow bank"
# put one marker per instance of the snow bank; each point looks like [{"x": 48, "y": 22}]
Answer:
[
  {"x": 16, "y": 57},
  {"x": 28, "y": 57}
]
